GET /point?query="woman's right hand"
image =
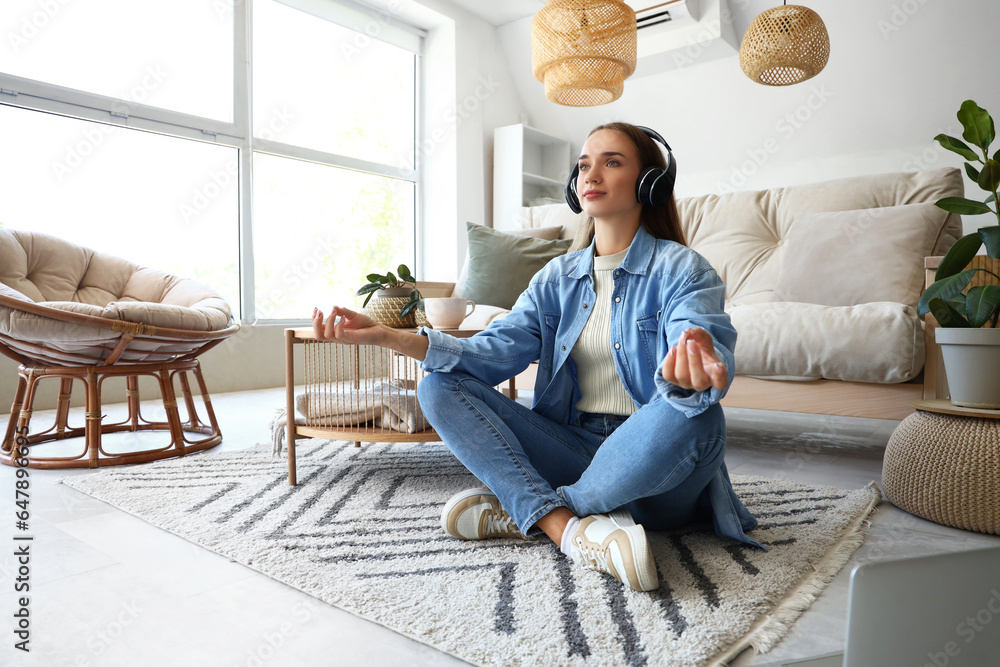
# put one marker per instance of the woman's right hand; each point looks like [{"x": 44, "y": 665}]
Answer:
[{"x": 346, "y": 326}]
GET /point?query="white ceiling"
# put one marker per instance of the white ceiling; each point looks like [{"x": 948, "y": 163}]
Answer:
[{"x": 499, "y": 12}]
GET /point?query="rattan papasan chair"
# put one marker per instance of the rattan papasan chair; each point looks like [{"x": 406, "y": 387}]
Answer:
[{"x": 71, "y": 313}]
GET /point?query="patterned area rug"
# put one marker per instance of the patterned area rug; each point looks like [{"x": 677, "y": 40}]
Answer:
[{"x": 362, "y": 531}]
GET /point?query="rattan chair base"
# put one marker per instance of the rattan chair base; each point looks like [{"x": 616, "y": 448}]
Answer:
[
  {"x": 946, "y": 469},
  {"x": 19, "y": 438}
]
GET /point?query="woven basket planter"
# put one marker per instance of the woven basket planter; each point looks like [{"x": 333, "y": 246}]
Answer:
[
  {"x": 384, "y": 307},
  {"x": 946, "y": 469}
]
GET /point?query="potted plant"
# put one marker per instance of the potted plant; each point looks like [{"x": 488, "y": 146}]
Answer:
[
  {"x": 971, "y": 353},
  {"x": 397, "y": 298}
]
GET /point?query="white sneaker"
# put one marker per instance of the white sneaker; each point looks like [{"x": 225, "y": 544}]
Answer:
[
  {"x": 615, "y": 544},
  {"x": 476, "y": 514}
]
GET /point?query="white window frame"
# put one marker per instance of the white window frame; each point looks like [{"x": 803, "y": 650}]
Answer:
[{"x": 40, "y": 96}]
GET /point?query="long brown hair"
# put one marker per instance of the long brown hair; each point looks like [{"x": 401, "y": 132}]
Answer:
[{"x": 662, "y": 222}]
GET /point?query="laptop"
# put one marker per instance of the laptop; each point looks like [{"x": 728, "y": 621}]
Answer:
[{"x": 924, "y": 611}]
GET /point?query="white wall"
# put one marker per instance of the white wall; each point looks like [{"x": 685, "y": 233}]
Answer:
[
  {"x": 468, "y": 92},
  {"x": 898, "y": 72}
]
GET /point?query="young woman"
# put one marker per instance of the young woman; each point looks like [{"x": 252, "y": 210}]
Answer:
[{"x": 634, "y": 353}]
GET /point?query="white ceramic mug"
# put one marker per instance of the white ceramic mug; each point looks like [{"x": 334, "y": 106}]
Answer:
[{"x": 447, "y": 313}]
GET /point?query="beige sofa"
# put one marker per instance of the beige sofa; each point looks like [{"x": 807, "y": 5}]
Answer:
[{"x": 822, "y": 285}]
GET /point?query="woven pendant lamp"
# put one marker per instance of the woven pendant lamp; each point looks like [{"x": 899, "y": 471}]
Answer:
[
  {"x": 785, "y": 45},
  {"x": 583, "y": 50}
]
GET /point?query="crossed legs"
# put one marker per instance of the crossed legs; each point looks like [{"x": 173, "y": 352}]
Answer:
[{"x": 652, "y": 468}]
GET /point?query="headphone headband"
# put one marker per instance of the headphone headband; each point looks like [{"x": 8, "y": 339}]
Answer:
[
  {"x": 653, "y": 187},
  {"x": 654, "y": 135}
]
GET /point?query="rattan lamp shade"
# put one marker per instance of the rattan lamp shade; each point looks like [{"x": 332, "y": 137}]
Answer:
[
  {"x": 583, "y": 50},
  {"x": 785, "y": 45}
]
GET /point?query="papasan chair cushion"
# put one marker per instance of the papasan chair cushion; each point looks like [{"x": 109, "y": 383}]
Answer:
[
  {"x": 71, "y": 314},
  {"x": 55, "y": 274}
]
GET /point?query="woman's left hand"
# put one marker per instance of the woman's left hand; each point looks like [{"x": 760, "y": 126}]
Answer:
[{"x": 693, "y": 364}]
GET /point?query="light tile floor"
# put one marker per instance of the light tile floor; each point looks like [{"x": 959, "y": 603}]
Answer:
[{"x": 108, "y": 589}]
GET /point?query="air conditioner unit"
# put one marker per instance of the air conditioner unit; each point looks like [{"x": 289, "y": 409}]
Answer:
[{"x": 674, "y": 35}]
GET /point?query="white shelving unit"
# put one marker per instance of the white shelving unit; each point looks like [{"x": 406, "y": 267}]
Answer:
[{"x": 527, "y": 164}]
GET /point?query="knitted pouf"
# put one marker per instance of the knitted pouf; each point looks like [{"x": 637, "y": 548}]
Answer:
[{"x": 946, "y": 468}]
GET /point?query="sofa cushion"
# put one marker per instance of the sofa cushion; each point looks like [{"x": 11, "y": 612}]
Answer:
[
  {"x": 741, "y": 233},
  {"x": 482, "y": 316},
  {"x": 553, "y": 215},
  {"x": 877, "y": 254},
  {"x": 544, "y": 233},
  {"x": 501, "y": 265},
  {"x": 871, "y": 342}
]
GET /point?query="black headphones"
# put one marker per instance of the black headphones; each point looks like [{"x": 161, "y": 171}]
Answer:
[{"x": 653, "y": 187}]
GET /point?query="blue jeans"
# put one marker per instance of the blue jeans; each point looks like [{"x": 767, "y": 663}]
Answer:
[{"x": 655, "y": 463}]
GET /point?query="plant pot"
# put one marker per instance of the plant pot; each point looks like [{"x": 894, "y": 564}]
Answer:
[
  {"x": 972, "y": 365},
  {"x": 394, "y": 292},
  {"x": 385, "y": 305}
]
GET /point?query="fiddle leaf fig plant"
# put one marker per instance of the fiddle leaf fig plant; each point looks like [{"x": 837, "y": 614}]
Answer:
[
  {"x": 377, "y": 281},
  {"x": 947, "y": 298}
]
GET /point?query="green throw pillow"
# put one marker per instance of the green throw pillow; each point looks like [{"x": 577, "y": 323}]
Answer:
[{"x": 501, "y": 265}]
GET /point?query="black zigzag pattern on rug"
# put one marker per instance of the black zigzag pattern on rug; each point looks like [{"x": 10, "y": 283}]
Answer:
[{"x": 373, "y": 514}]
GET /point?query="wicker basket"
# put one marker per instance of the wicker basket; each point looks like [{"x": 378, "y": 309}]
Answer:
[
  {"x": 385, "y": 309},
  {"x": 946, "y": 468}
]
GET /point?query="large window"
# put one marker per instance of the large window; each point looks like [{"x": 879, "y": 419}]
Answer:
[
  {"x": 334, "y": 111},
  {"x": 174, "y": 54},
  {"x": 155, "y": 200},
  {"x": 319, "y": 230},
  {"x": 126, "y": 127},
  {"x": 335, "y": 89}
]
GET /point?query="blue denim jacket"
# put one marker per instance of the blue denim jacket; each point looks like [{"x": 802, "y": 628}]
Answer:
[{"x": 661, "y": 289}]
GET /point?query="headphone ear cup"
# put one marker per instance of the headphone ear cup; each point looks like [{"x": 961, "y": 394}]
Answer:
[
  {"x": 659, "y": 194},
  {"x": 570, "y": 191},
  {"x": 655, "y": 185},
  {"x": 663, "y": 186},
  {"x": 645, "y": 185}
]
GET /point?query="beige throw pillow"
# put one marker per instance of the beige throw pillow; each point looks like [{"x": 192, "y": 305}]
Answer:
[{"x": 843, "y": 258}]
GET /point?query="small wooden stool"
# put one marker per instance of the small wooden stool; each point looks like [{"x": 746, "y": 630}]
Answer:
[{"x": 942, "y": 463}]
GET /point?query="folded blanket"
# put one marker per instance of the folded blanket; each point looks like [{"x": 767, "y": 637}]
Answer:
[
  {"x": 345, "y": 408},
  {"x": 384, "y": 404},
  {"x": 401, "y": 412}
]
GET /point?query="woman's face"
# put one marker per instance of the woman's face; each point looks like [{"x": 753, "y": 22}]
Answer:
[{"x": 609, "y": 169}]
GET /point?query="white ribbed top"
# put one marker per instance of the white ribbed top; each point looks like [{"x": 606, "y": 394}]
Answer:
[{"x": 601, "y": 390}]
